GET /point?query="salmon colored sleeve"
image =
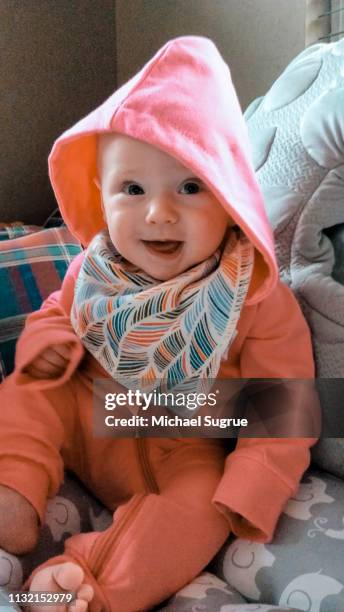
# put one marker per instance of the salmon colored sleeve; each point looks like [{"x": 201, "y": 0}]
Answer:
[
  {"x": 261, "y": 474},
  {"x": 47, "y": 326},
  {"x": 30, "y": 460}
]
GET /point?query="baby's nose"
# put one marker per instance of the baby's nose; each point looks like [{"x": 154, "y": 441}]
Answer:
[{"x": 161, "y": 210}]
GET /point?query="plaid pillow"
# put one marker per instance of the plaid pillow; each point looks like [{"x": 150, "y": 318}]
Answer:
[
  {"x": 31, "y": 267},
  {"x": 16, "y": 229}
]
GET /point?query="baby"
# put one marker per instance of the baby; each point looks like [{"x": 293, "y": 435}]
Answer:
[{"x": 178, "y": 281}]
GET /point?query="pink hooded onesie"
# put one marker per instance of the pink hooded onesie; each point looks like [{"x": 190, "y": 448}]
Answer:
[{"x": 177, "y": 499}]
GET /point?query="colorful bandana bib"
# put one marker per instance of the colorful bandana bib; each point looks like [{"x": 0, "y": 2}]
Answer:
[{"x": 163, "y": 336}]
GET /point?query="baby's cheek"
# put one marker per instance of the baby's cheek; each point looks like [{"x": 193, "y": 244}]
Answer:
[
  {"x": 209, "y": 231},
  {"x": 125, "y": 243},
  {"x": 116, "y": 226},
  {"x": 115, "y": 237}
]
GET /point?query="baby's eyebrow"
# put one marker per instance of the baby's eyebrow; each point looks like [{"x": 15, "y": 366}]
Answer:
[
  {"x": 193, "y": 178},
  {"x": 125, "y": 172}
]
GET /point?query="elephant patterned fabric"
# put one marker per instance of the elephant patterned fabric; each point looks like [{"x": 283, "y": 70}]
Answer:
[
  {"x": 303, "y": 567},
  {"x": 289, "y": 573}
]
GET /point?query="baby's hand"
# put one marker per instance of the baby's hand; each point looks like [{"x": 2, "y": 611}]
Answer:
[{"x": 52, "y": 363}]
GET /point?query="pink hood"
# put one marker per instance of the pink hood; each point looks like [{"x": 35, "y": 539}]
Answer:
[{"x": 184, "y": 103}]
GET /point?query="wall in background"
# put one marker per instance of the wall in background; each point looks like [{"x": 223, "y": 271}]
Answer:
[
  {"x": 318, "y": 22},
  {"x": 58, "y": 61},
  {"x": 257, "y": 38}
]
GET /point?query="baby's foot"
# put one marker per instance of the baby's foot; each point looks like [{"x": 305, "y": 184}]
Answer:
[{"x": 58, "y": 579}]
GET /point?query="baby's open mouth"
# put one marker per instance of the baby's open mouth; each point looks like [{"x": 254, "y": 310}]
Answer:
[{"x": 168, "y": 247}]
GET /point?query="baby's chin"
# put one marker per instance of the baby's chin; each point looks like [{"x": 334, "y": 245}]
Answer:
[
  {"x": 162, "y": 276},
  {"x": 131, "y": 267}
]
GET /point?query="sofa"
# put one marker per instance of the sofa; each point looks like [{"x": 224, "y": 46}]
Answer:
[{"x": 297, "y": 136}]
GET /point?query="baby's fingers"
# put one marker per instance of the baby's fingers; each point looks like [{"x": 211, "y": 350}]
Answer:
[
  {"x": 48, "y": 365},
  {"x": 64, "y": 350},
  {"x": 46, "y": 371},
  {"x": 52, "y": 357}
]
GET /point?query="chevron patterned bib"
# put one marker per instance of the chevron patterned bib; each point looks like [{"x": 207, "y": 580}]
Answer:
[{"x": 163, "y": 336}]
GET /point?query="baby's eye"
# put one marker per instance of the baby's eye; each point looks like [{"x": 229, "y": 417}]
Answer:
[
  {"x": 195, "y": 187},
  {"x": 131, "y": 191}
]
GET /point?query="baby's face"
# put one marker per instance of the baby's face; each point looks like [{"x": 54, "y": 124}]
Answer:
[{"x": 160, "y": 217}]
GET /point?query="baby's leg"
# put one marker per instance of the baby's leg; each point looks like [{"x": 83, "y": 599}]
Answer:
[
  {"x": 34, "y": 426},
  {"x": 169, "y": 538},
  {"x": 158, "y": 541},
  {"x": 18, "y": 522}
]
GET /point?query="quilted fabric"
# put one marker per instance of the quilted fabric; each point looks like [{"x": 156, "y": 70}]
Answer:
[
  {"x": 297, "y": 136},
  {"x": 31, "y": 267}
]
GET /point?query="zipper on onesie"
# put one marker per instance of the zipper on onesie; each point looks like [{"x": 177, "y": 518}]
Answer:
[
  {"x": 105, "y": 542},
  {"x": 143, "y": 460}
]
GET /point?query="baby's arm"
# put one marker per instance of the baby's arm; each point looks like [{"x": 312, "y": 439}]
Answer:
[
  {"x": 261, "y": 474},
  {"x": 32, "y": 435},
  {"x": 48, "y": 351}
]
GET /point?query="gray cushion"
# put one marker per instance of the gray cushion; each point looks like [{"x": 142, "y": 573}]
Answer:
[
  {"x": 297, "y": 135},
  {"x": 304, "y": 566}
]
